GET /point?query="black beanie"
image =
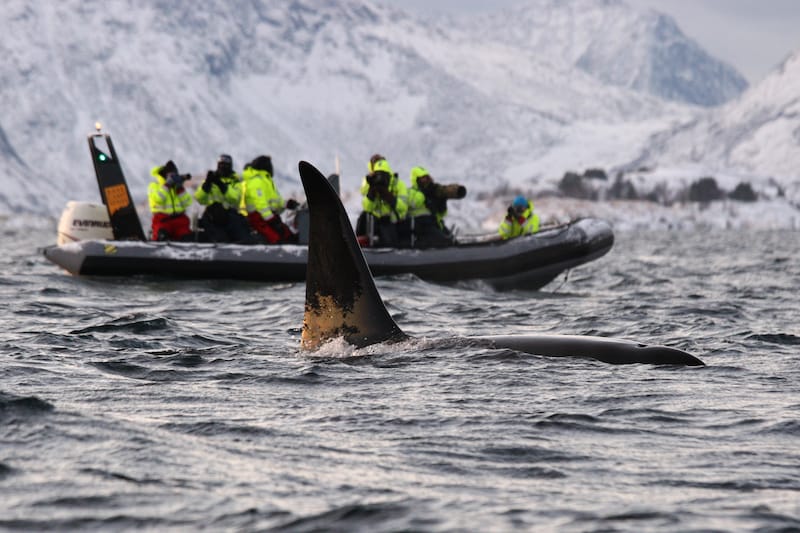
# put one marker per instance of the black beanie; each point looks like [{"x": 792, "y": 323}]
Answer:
[
  {"x": 168, "y": 168},
  {"x": 262, "y": 162}
]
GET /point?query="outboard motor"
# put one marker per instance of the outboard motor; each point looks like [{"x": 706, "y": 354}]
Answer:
[{"x": 84, "y": 220}]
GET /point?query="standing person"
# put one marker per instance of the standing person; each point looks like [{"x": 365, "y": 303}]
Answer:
[
  {"x": 385, "y": 198},
  {"x": 263, "y": 203},
  {"x": 427, "y": 207},
  {"x": 168, "y": 201},
  {"x": 520, "y": 220},
  {"x": 221, "y": 193}
]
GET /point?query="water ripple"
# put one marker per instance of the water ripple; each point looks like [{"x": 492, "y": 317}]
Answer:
[{"x": 176, "y": 404}]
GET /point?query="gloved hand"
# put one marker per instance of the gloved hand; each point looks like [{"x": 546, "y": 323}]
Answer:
[
  {"x": 386, "y": 195},
  {"x": 511, "y": 215},
  {"x": 209, "y": 181},
  {"x": 275, "y": 223},
  {"x": 179, "y": 179},
  {"x": 291, "y": 203},
  {"x": 436, "y": 205},
  {"x": 379, "y": 190}
]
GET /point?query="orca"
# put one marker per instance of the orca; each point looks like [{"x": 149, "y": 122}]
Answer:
[{"x": 343, "y": 301}]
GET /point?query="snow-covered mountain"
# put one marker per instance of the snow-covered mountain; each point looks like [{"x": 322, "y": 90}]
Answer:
[
  {"x": 757, "y": 133},
  {"x": 316, "y": 79},
  {"x": 640, "y": 50}
]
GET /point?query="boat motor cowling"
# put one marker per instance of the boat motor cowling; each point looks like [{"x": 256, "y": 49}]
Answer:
[{"x": 82, "y": 221}]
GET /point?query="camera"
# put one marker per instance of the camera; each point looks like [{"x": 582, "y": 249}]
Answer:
[
  {"x": 176, "y": 180},
  {"x": 379, "y": 179},
  {"x": 452, "y": 191}
]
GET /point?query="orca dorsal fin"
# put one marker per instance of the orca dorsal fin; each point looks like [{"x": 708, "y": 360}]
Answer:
[{"x": 341, "y": 297}]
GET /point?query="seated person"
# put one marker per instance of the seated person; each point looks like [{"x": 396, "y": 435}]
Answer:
[
  {"x": 385, "y": 200},
  {"x": 264, "y": 204},
  {"x": 221, "y": 193},
  {"x": 520, "y": 220},
  {"x": 169, "y": 201},
  {"x": 427, "y": 207}
]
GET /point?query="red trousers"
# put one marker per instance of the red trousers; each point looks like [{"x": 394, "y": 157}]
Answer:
[
  {"x": 176, "y": 227},
  {"x": 272, "y": 229}
]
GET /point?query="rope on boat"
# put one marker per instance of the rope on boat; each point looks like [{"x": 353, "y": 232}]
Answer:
[{"x": 566, "y": 277}]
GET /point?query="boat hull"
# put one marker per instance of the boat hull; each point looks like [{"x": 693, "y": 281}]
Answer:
[{"x": 524, "y": 263}]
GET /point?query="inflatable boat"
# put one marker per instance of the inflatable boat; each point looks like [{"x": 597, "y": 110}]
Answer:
[
  {"x": 107, "y": 240},
  {"x": 526, "y": 262}
]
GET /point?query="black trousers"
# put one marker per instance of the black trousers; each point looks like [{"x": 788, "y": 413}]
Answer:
[
  {"x": 225, "y": 225},
  {"x": 428, "y": 234}
]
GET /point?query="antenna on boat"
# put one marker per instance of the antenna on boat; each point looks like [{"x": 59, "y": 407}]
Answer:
[
  {"x": 335, "y": 178},
  {"x": 114, "y": 191}
]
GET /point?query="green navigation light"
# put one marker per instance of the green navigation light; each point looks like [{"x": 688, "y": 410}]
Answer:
[{"x": 102, "y": 157}]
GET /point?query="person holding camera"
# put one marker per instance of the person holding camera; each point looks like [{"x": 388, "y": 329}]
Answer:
[
  {"x": 221, "y": 193},
  {"x": 520, "y": 219},
  {"x": 168, "y": 201},
  {"x": 263, "y": 203},
  {"x": 427, "y": 207},
  {"x": 385, "y": 201}
]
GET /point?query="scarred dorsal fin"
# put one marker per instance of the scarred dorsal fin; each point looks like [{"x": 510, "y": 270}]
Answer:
[{"x": 341, "y": 297}]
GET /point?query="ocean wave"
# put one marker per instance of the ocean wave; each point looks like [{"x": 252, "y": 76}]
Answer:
[
  {"x": 5, "y": 471},
  {"x": 139, "y": 372},
  {"x": 354, "y": 517},
  {"x": 25, "y": 406},
  {"x": 213, "y": 428},
  {"x": 785, "y": 339},
  {"x": 136, "y": 324}
]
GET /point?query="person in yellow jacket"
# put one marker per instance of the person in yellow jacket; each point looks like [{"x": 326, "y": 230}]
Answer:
[
  {"x": 427, "y": 207},
  {"x": 221, "y": 193},
  {"x": 168, "y": 201},
  {"x": 520, "y": 220},
  {"x": 385, "y": 199},
  {"x": 263, "y": 203}
]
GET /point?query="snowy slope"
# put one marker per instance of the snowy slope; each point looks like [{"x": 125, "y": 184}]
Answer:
[
  {"x": 302, "y": 79},
  {"x": 570, "y": 86},
  {"x": 753, "y": 140},
  {"x": 758, "y": 133},
  {"x": 21, "y": 195}
]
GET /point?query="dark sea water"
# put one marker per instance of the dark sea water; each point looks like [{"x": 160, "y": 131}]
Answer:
[{"x": 184, "y": 405}]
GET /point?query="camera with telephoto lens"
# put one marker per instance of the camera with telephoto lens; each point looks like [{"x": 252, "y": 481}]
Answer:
[
  {"x": 452, "y": 191},
  {"x": 379, "y": 179},
  {"x": 176, "y": 180}
]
